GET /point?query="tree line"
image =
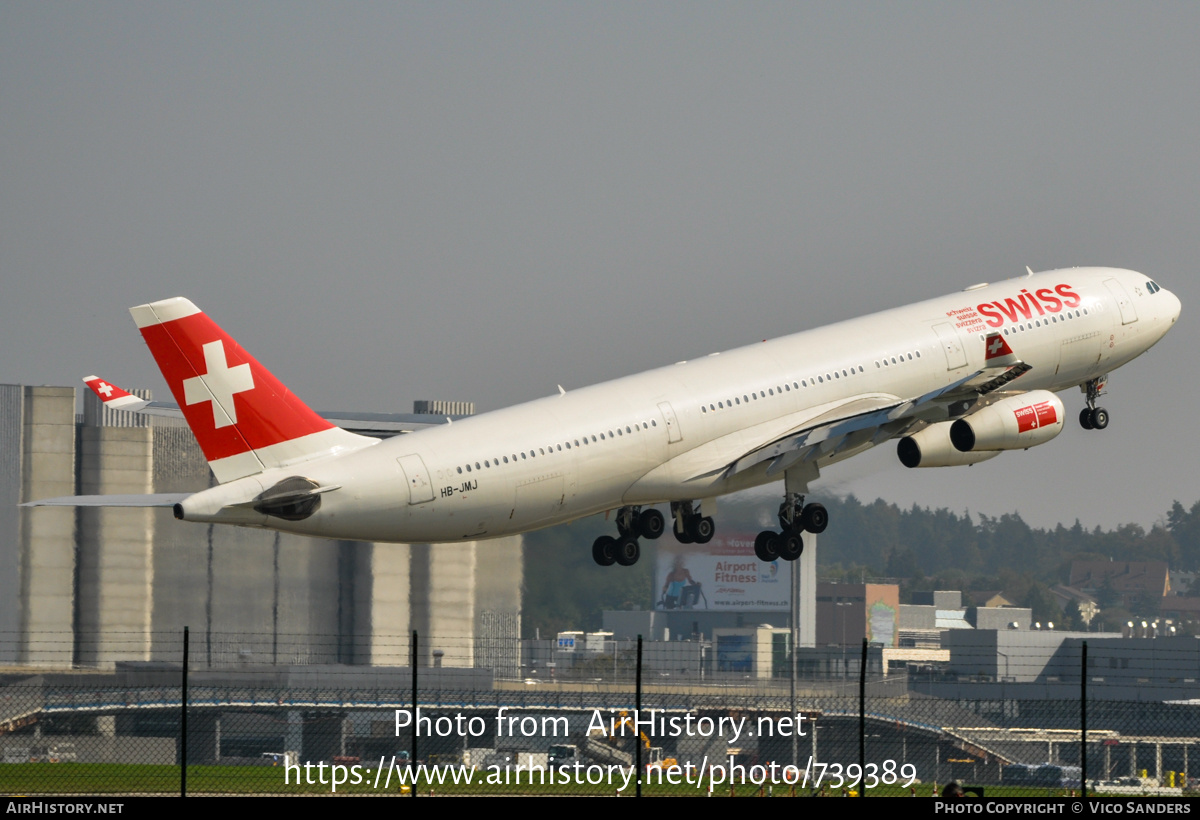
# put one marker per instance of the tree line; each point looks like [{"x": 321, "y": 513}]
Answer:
[{"x": 919, "y": 547}]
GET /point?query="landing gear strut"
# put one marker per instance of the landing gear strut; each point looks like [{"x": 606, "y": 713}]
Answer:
[
  {"x": 795, "y": 517},
  {"x": 1093, "y": 417},
  {"x": 632, "y": 523},
  {"x": 691, "y": 527}
]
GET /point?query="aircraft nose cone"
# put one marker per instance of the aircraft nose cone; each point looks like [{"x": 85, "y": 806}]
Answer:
[{"x": 1175, "y": 307}]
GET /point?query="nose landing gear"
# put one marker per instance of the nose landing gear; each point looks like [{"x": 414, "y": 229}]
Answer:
[{"x": 1093, "y": 417}]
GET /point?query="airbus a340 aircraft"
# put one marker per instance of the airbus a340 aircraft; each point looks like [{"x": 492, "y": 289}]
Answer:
[{"x": 957, "y": 379}]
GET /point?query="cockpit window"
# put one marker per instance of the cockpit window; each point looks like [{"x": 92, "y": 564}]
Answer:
[{"x": 1152, "y": 286}]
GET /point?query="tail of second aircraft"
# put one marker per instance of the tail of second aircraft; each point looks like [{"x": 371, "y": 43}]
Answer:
[{"x": 244, "y": 419}]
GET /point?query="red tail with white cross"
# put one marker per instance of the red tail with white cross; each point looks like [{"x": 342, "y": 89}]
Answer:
[{"x": 244, "y": 419}]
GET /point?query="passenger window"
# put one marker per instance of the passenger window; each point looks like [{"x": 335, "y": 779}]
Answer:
[{"x": 460, "y": 470}]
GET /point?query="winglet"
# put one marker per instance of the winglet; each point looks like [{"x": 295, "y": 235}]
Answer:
[
  {"x": 997, "y": 353},
  {"x": 113, "y": 396}
]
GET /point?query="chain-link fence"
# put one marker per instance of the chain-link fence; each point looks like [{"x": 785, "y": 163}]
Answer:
[{"x": 619, "y": 717}]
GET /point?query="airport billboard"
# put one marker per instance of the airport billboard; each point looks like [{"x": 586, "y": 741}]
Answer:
[{"x": 722, "y": 575}]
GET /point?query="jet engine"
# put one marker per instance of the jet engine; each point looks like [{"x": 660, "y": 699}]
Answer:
[
  {"x": 931, "y": 447},
  {"x": 1016, "y": 423}
]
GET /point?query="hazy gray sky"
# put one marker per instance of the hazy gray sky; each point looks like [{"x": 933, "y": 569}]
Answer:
[{"x": 385, "y": 202}]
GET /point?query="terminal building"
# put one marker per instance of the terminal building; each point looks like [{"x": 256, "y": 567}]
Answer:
[{"x": 92, "y": 587}]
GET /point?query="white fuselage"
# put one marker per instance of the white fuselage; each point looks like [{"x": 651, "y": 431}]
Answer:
[{"x": 669, "y": 434}]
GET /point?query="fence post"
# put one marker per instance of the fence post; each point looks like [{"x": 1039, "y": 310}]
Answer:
[
  {"x": 637, "y": 714},
  {"x": 862, "y": 722},
  {"x": 412, "y": 759},
  {"x": 1083, "y": 721},
  {"x": 183, "y": 704}
]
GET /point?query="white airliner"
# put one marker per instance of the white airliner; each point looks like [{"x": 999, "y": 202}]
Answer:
[{"x": 957, "y": 380}]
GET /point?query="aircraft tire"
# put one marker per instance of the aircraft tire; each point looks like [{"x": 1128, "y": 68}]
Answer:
[
  {"x": 1085, "y": 418},
  {"x": 628, "y": 551},
  {"x": 791, "y": 545},
  {"x": 814, "y": 518},
  {"x": 1099, "y": 418},
  {"x": 604, "y": 551},
  {"x": 651, "y": 524},
  {"x": 766, "y": 546},
  {"x": 702, "y": 529}
]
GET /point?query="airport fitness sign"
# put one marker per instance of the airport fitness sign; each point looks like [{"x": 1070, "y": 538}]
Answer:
[{"x": 723, "y": 574}]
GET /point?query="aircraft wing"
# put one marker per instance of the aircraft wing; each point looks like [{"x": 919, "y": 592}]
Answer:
[
  {"x": 860, "y": 423},
  {"x": 378, "y": 425}
]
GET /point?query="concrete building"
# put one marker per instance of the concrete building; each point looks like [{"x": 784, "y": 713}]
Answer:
[
  {"x": 847, "y": 613},
  {"x": 95, "y": 586}
]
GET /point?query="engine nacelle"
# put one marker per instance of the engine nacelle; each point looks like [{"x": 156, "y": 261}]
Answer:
[
  {"x": 1016, "y": 423},
  {"x": 931, "y": 447}
]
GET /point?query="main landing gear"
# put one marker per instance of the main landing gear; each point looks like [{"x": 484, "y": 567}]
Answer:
[
  {"x": 795, "y": 517},
  {"x": 1093, "y": 417},
  {"x": 632, "y": 523},
  {"x": 691, "y": 526}
]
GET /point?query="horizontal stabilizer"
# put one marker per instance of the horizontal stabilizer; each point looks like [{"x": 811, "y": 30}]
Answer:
[
  {"x": 376, "y": 425},
  {"x": 156, "y": 500}
]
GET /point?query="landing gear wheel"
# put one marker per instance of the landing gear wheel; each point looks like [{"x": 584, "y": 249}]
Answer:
[
  {"x": 766, "y": 546},
  {"x": 1085, "y": 418},
  {"x": 701, "y": 529},
  {"x": 651, "y": 524},
  {"x": 685, "y": 536},
  {"x": 814, "y": 518},
  {"x": 627, "y": 551},
  {"x": 791, "y": 545},
  {"x": 1099, "y": 418},
  {"x": 604, "y": 551}
]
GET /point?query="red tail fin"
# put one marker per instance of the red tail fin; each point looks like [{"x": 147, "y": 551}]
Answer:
[{"x": 244, "y": 419}]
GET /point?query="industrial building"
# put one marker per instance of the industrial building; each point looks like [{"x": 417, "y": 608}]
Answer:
[{"x": 94, "y": 586}]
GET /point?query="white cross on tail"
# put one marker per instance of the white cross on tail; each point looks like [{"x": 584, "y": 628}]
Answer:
[{"x": 218, "y": 385}]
